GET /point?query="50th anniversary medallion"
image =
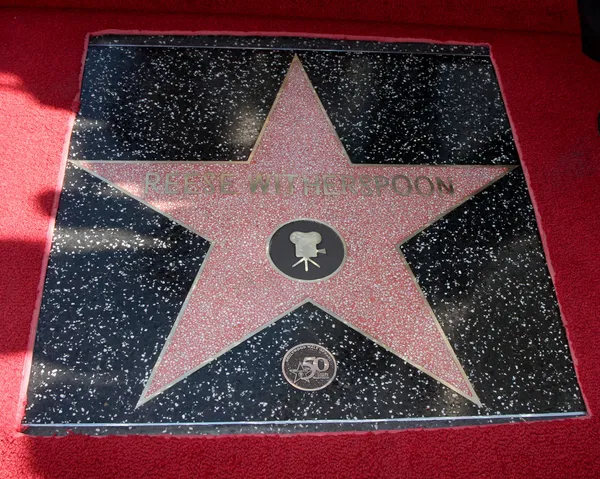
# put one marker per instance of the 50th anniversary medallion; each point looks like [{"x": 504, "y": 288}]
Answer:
[{"x": 309, "y": 367}]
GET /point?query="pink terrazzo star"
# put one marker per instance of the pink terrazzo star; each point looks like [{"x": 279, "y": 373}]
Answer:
[{"x": 238, "y": 291}]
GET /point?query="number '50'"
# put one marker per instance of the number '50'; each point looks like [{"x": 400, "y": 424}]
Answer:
[{"x": 316, "y": 365}]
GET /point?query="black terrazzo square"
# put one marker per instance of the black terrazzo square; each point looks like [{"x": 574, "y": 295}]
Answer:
[{"x": 119, "y": 271}]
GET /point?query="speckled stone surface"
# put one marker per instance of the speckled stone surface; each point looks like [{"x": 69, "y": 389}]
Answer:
[
  {"x": 483, "y": 270},
  {"x": 119, "y": 271},
  {"x": 390, "y": 103}
]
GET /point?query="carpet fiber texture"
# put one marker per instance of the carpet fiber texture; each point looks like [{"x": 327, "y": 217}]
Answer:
[
  {"x": 539, "y": 15},
  {"x": 553, "y": 96}
]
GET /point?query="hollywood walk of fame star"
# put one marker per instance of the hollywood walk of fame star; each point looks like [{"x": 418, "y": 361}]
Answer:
[{"x": 237, "y": 292}]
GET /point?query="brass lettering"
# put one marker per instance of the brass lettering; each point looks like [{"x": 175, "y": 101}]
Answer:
[
  {"x": 277, "y": 185},
  {"x": 406, "y": 190},
  {"x": 152, "y": 180},
  {"x": 290, "y": 180},
  {"x": 208, "y": 179},
  {"x": 169, "y": 182},
  {"x": 364, "y": 180},
  {"x": 380, "y": 182},
  {"x": 316, "y": 185},
  {"x": 348, "y": 185},
  {"x": 419, "y": 180},
  {"x": 226, "y": 184},
  {"x": 259, "y": 180},
  {"x": 190, "y": 187},
  {"x": 443, "y": 187},
  {"x": 327, "y": 186}
]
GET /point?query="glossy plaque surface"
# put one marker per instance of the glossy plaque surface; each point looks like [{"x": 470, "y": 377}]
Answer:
[{"x": 283, "y": 235}]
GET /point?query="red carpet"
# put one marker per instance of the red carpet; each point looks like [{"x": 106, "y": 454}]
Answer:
[
  {"x": 553, "y": 95},
  {"x": 544, "y": 15}
]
